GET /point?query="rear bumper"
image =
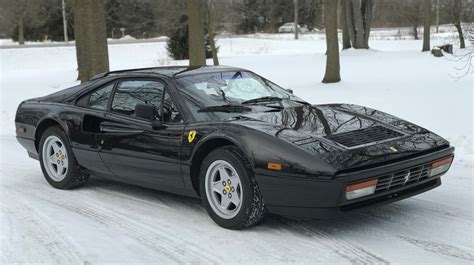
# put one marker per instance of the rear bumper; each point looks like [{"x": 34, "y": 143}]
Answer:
[
  {"x": 313, "y": 198},
  {"x": 29, "y": 145}
]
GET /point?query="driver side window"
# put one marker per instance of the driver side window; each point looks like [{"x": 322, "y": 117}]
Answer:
[
  {"x": 129, "y": 93},
  {"x": 170, "y": 111}
]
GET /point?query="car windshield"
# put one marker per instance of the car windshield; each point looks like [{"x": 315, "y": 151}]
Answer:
[
  {"x": 289, "y": 24},
  {"x": 230, "y": 88}
]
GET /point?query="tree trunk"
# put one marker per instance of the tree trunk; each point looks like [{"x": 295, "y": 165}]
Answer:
[
  {"x": 197, "y": 52},
  {"x": 427, "y": 26},
  {"x": 332, "y": 74},
  {"x": 358, "y": 24},
  {"x": 346, "y": 39},
  {"x": 462, "y": 43},
  {"x": 296, "y": 18},
  {"x": 367, "y": 15},
  {"x": 21, "y": 33},
  {"x": 350, "y": 21},
  {"x": 415, "y": 31},
  {"x": 456, "y": 18},
  {"x": 215, "y": 59},
  {"x": 359, "y": 20},
  {"x": 212, "y": 31},
  {"x": 91, "y": 38}
]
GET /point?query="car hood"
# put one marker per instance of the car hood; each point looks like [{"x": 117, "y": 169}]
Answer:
[{"x": 347, "y": 137}]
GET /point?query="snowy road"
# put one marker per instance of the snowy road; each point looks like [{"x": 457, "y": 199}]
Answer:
[{"x": 110, "y": 222}]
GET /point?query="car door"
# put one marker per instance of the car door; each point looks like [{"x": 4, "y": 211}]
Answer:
[
  {"x": 93, "y": 106},
  {"x": 131, "y": 148}
]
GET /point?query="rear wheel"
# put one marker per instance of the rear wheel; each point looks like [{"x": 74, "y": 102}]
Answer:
[
  {"x": 229, "y": 192},
  {"x": 58, "y": 163}
]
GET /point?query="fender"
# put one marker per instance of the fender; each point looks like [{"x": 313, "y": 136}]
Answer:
[
  {"x": 54, "y": 117},
  {"x": 229, "y": 136}
]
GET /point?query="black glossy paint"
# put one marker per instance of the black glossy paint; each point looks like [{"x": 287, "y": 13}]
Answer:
[{"x": 315, "y": 169}]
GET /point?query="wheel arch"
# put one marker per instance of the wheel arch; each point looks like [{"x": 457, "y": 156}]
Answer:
[
  {"x": 43, "y": 125},
  {"x": 205, "y": 147}
]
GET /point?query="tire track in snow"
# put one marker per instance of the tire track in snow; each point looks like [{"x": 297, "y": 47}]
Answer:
[
  {"x": 38, "y": 232},
  {"x": 412, "y": 207},
  {"x": 354, "y": 254},
  {"x": 440, "y": 248},
  {"x": 149, "y": 235}
]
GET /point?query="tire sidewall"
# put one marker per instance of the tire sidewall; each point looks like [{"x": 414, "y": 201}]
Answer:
[
  {"x": 72, "y": 164},
  {"x": 245, "y": 175}
]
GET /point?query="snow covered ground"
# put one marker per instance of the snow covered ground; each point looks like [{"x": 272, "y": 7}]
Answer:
[{"x": 111, "y": 222}]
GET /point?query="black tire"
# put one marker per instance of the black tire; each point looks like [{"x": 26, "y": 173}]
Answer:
[
  {"x": 253, "y": 209},
  {"x": 76, "y": 176}
]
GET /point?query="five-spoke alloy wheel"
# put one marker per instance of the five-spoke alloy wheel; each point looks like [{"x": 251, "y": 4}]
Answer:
[
  {"x": 57, "y": 160},
  {"x": 223, "y": 189},
  {"x": 228, "y": 189}
]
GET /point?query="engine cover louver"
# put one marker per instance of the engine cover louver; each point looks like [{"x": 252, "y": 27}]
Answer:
[{"x": 364, "y": 136}]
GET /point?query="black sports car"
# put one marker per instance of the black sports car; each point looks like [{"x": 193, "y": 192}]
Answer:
[{"x": 240, "y": 142}]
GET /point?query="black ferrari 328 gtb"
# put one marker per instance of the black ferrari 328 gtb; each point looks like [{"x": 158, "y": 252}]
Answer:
[{"x": 241, "y": 143}]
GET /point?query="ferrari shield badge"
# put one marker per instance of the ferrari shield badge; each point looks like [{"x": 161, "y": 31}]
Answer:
[{"x": 191, "y": 136}]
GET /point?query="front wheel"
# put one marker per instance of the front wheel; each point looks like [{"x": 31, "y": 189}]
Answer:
[{"x": 228, "y": 190}]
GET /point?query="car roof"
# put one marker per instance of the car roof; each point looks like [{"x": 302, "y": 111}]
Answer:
[{"x": 169, "y": 71}]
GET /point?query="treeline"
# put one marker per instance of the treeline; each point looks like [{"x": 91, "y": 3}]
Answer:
[
  {"x": 192, "y": 24},
  {"x": 40, "y": 20}
]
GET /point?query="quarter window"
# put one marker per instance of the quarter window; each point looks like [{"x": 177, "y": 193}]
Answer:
[
  {"x": 130, "y": 93},
  {"x": 100, "y": 97}
]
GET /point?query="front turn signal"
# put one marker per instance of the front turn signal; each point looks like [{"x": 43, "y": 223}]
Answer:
[
  {"x": 441, "y": 166},
  {"x": 361, "y": 189}
]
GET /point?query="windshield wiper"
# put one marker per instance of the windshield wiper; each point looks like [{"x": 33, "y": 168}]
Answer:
[
  {"x": 225, "y": 108},
  {"x": 262, "y": 99}
]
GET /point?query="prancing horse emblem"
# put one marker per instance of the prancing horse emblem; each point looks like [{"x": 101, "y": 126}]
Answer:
[
  {"x": 406, "y": 178},
  {"x": 191, "y": 136}
]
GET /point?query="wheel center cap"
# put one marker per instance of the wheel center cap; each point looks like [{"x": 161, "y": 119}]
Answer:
[
  {"x": 227, "y": 188},
  {"x": 60, "y": 156}
]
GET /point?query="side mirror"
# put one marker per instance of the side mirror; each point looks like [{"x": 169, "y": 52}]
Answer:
[
  {"x": 289, "y": 91},
  {"x": 144, "y": 111},
  {"x": 147, "y": 112}
]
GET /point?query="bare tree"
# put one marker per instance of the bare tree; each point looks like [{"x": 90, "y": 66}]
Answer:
[
  {"x": 91, "y": 38},
  {"x": 400, "y": 13},
  {"x": 359, "y": 20},
  {"x": 332, "y": 74},
  {"x": 210, "y": 21},
  {"x": 296, "y": 18},
  {"x": 197, "y": 52},
  {"x": 346, "y": 39},
  {"x": 426, "y": 26},
  {"x": 20, "y": 9},
  {"x": 456, "y": 20},
  {"x": 464, "y": 58}
]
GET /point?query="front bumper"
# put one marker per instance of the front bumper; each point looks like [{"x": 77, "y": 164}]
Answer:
[{"x": 314, "y": 198}]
